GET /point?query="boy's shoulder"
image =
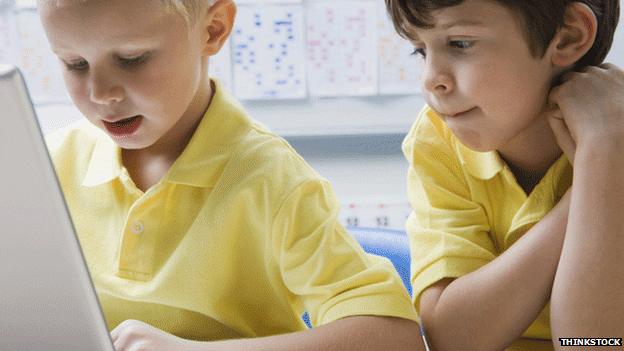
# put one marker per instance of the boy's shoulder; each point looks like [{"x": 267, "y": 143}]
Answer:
[
  {"x": 270, "y": 155},
  {"x": 275, "y": 157}
]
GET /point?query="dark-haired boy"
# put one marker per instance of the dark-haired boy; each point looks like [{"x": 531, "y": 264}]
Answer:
[
  {"x": 202, "y": 230},
  {"x": 490, "y": 180}
]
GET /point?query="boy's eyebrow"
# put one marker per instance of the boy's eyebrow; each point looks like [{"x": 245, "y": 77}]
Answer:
[
  {"x": 127, "y": 46},
  {"x": 461, "y": 23},
  {"x": 413, "y": 35}
]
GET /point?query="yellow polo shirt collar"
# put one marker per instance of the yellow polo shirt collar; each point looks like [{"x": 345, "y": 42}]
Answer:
[
  {"x": 105, "y": 163},
  {"x": 200, "y": 164},
  {"x": 481, "y": 165}
]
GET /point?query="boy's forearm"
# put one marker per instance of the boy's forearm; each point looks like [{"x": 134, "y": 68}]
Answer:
[
  {"x": 490, "y": 308},
  {"x": 588, "y": 298},
  {"x": 360, "y": 333}
]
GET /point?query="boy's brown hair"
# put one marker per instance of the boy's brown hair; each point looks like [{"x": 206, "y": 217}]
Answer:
[{"x": 541, "y": 19}]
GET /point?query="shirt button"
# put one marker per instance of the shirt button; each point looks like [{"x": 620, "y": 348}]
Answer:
[{"x": 138, "y": 227}]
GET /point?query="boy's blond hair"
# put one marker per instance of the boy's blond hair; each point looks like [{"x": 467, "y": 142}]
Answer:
[{"x": 189, "y": 9}]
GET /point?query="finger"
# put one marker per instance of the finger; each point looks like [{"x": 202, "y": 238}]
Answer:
[
  {"x": 552, "y": 110},
  {"x": 565, "y": 81},
  {"x": 116, "y": 332},
  {"x": 120, "y": 343},
  {"x": 553, "y": 97},
  {"x": 557, "y": 124},
  {"x": 563, "y": 137},
  {"x": 562, "y": 134},
  {"x": 122, "y": 340},
  {"x": 118, "y": 346},
  {"x": 608, "y": 65}
]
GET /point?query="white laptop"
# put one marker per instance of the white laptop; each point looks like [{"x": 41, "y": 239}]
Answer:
[{"x": 47, "y": 299}]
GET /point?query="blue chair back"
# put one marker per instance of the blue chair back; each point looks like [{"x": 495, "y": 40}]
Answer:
[{"x": 392, "y": 244}]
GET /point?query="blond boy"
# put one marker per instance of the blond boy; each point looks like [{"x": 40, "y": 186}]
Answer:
[{"x": 201, "y": 229}]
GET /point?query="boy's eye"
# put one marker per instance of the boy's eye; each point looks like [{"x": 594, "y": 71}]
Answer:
[
  {"x": 77, "y": 66},
  {"x": 461, "y": 44},
  {"x": 132, "y": 61},
  {"x": 419, "y": 52},
  {"x": 129, "y": 62}
]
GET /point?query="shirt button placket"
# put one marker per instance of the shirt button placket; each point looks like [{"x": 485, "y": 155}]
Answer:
[{"x": 131, "y": 251}]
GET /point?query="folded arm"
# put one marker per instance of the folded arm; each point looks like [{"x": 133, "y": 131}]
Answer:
[
  {"x": 491, "y": 307},
  {"x": 351, "y": 333},
  {"x": 360, "y": 333},
  {"x": 587, "y": 298}
]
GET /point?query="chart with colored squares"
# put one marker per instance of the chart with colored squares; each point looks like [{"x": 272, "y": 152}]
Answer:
[{"x": 279, "y": 49}]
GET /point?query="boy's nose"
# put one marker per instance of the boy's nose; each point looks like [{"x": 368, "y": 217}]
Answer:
[
  {"x": 437, "y": 80},
  {"x": 104, "y": 91}
]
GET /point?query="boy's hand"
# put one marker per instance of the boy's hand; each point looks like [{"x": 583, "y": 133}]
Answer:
[
  {"x": 132, "y": 335},
  {"x": 590, "y": 107},
  {"x": 562, "y": 134}
]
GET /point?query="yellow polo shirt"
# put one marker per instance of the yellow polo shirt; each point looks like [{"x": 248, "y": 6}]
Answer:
[
  {"x": 468, "y": 207},
  {"x": 237, "y": 240}
]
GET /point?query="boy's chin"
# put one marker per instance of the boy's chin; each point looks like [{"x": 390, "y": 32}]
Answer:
[
  {"x": 474, "y": 141},
  {"x": 130, "y": 144}
]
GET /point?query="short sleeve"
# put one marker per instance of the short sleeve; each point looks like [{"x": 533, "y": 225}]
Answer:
[
  {"x": 449, "y": 233},
  {"x": 323, "y": 264}
]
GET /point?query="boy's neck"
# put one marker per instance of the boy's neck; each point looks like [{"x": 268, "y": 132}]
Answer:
[
  {"x": 531, "y": 153},
  {"x": 173, "y": 143},
  {"x": 149, "y": 165}
]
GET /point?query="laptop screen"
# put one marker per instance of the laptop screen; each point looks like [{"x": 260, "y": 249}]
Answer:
[{"x": 47, "y": 300}]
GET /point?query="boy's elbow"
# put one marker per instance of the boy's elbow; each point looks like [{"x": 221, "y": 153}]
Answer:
[
  {"x": 446, "y": 333},
  {"x": 401, "y": 335},
  {"x": 379, "y": 333},
  {"x": 443, "y": 338},
  {"x": 439, "y": 336},
  {"x": 443, "y": 332}
]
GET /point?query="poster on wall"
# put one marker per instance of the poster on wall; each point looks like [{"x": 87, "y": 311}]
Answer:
[
  {"x": 399, "y": 70},
  {"x": 267, "y": 52},
  {"x": 342, "y": 48}
]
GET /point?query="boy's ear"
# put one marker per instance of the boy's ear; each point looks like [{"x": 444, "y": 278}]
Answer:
[
  {"x": 577, "y": 35},
  {"x": 217, "y": 25}
]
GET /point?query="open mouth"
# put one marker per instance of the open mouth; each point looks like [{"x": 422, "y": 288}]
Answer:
[{"x": 125, "y": 126}]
